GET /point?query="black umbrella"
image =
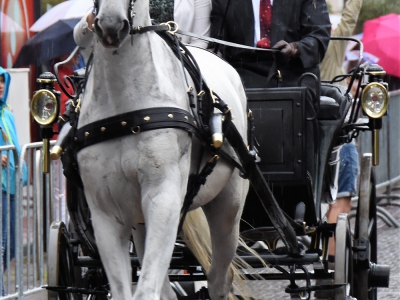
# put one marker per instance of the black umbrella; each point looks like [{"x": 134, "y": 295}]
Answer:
[{"x": 48, "y": 44}]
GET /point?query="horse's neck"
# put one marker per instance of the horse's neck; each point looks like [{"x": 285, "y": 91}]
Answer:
[{"x": 142, "y": 75}]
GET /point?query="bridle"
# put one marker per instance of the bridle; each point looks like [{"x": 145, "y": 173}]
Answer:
[
  {"x": 170, "y": 26},
  {"x": 130, "y": 13}
]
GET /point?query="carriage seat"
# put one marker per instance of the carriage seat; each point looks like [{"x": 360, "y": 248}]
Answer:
[{"x": 333, "y": 102}]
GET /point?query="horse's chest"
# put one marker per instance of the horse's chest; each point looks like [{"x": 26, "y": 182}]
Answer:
[{"x": 136, "y": 158}]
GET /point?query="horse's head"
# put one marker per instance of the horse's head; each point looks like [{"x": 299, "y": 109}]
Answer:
[{"x": 113, "y": 21}]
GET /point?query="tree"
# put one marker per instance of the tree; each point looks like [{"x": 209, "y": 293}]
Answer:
[{"x": 372, "y": 9}]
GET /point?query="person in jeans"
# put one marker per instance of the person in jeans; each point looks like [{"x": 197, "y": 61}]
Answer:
[{"x": 331, "y": 66}]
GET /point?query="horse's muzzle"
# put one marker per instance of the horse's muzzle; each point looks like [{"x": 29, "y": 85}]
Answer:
[{"x": 111, "y": 33}]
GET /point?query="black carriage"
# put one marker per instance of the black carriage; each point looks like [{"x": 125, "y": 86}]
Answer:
[{"x": 298, "y": 144}]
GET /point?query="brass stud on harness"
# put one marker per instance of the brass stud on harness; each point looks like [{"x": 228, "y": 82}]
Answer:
[
  {"x": 186, "y": 118},
  {"x": 86, "y": 133},
  {"x": 103, "y": 129},
  {"x": 123, "y": 123},
  {"x": 170, "y": 116},
  {"x": 147, "y": 118}
]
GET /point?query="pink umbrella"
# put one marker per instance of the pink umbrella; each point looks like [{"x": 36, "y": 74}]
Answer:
[
  {"x": 382, "y": 39},
  {"x": 9, "y": 25},
  {"x": 71, "y": 9}
]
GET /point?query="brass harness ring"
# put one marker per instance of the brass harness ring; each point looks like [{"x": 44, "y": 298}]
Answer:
[{"x": 135, "y": 130}]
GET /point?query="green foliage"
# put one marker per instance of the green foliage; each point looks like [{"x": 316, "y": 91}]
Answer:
[
  {"x": 44, "y": 4},
  {"x": 372, "y": 9},
  {"x": 162, "y": 10}
]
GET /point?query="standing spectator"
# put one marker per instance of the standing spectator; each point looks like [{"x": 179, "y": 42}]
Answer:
[
  {"x": 331, "y": 66},
  {"x": 8, "y": 136},
  {"x": 193, "y": 16}
]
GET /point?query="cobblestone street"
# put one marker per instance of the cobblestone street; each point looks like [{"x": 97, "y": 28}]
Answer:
[{"x": 388, "y": 253}]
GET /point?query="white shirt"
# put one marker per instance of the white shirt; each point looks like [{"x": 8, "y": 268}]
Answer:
[{"x": 256, "y": 10}]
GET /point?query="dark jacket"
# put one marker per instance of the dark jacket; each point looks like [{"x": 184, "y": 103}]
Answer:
[{"x": 303, "y": 21}]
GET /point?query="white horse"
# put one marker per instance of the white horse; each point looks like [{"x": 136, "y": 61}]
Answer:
[{"x": 137, "y": 183}]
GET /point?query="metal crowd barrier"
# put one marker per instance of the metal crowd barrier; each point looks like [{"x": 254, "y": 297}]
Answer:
[
  {"x": 388, "y": 171},
  {"x": 37, "y": 204}
]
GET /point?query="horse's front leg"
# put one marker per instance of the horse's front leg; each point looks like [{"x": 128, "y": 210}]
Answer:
[
  {"x": 112, "y": 239},
  {"x": 139, "y": 235},
  {"x": 162, "y": 175}
]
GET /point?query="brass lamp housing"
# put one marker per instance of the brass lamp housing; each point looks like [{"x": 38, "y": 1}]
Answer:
[
  {"x": 44, "y": 107},
  {"x": 375, "y": 100}
]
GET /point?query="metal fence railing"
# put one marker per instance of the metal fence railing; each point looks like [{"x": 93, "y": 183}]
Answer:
[
  {"x": 37, "y": 204},
  {"x": 387, "y": 173},
  {"x": 389, "y": 143}
]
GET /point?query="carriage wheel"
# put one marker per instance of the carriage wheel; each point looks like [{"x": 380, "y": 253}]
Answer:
[
  {"x": 365, "y": 233},
  {"x": 61, "y": 269},
  {"x": 343, "y": 258}
]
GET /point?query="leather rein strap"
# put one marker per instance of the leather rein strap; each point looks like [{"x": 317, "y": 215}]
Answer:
[{"x": 225, "y": 43}]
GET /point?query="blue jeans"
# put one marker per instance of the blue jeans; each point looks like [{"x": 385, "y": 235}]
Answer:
[
  {"x": 11, "y": 225},
  {"x": 348, "y": 171}
]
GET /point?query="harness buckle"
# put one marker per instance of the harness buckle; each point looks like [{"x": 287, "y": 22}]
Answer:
[
  {"x": 173, "y": 27},
  {"x": 78, "y": 105},
  {"x": 213, "y": 96}
]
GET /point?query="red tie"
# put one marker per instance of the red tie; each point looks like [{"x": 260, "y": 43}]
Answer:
[{"x": 265, "y": 24}]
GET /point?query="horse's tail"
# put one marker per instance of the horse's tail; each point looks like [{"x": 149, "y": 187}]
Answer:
[{"x": 196, "y": 234}]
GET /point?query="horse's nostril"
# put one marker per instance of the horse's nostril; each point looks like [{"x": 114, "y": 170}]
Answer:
[{"x": 125, "y": 28}]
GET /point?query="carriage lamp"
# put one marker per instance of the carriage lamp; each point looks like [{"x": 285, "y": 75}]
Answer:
[
  {"x": 375, "y": 103},
  {"x": 45, "y": 110},
  {"x": 375, "y": 100}
]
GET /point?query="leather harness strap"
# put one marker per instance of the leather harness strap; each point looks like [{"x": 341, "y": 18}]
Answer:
[
  {"x": 134, "y": 122},
  {"x": 225, "y": 43},
  {"x": 257, "y": 180}
]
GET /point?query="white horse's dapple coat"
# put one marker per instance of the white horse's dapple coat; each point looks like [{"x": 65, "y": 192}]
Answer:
[{"x": 143, "y": 178}]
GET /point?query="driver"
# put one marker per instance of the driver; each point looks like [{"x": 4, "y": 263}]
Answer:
[{"x": 300, "y": 29}]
